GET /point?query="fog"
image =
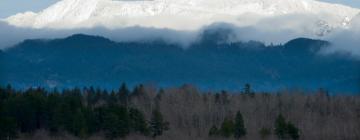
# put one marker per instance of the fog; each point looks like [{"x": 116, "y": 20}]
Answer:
[
  {"x": 11, "y": 35},
  {"x": 346, "y": 41},
  {"x": 276, "y": 30},
  {"x": 244, "y": 29}
]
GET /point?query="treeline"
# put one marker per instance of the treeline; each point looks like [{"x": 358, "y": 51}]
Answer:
[
  {"x": 237, "y": 129},
  {"x": 146, "y": 112},
  {"x": 81, "y": 113}
]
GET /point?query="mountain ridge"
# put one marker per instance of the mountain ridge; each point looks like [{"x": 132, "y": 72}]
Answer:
[
  {"x": 91, "y": 13},
  {"x": 86, "y": 38},
  {"x": 61, "y": 63}
]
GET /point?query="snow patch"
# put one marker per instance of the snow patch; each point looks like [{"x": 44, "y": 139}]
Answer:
[{"x": 175, "y": 14}]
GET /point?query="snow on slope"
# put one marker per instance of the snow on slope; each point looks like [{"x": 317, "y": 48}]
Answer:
[{"x": 183, "y": 14}]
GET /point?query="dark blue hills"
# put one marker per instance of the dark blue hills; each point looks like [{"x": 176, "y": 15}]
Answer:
[{"x": 210, "y": 63}]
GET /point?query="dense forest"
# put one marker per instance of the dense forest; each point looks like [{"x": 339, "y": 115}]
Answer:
[
  {"x": 146, "y": 112},
  {"x": 209, "y": 63}
]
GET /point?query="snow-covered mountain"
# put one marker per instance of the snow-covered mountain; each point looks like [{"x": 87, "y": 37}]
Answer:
[{"x": 183, "y": 14}]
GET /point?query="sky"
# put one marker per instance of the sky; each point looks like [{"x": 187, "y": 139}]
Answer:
[{"x": 11, "y": 7}]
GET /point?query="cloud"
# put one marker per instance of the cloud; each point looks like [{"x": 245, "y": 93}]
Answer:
[
  {"x": 11, "y": 35},
  {"x": 287, "y": 28},
  {"x": 277, "y": 30},
  {"x": 346, "y": 41}
]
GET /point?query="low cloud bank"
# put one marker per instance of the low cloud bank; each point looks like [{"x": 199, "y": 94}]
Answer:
[
  {"x": 11, "y": 35},
  {"x": 277, "y": 30},
  {"x": 346, "y": 41},
  {"x": 286, "y": 28}
]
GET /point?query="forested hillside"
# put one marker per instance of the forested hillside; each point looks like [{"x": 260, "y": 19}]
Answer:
[
  {"x": 209, "y": 63},
  {"x": 185, "y": 112}
]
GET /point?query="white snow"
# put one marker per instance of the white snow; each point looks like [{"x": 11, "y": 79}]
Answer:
[{"x": 180, "y": 14}]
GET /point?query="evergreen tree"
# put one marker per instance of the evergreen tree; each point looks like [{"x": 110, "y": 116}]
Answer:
[
  {"x": 239, "y": 128},
  {"x": 116, "y": 122},
  {"x": 248, "y": 90},
  {"x": 71, "y": 104},
  {"x": 280, "y": 127},
  {"x": 113, "y": 98},
  {"x": 7, "y": 128},
  {"x": 78, "y": 126},
  {"x": 22, "y": 111},
  {"x": 138, "y": 122},
  {"x": 91, "y": 122},
  {"x": 293, "y": 131},
  {"x": 54, "y": 105},
  {"x": 227, "y": 128},
  {"x": 123, "y": 94},
  {"x": 138, "y": 91},
  {"x": 157, "y": 124},
  {"x": 92, "y": 96},
  {"x": 214, "y": 131},
  {"x": 285, "y": 129}
]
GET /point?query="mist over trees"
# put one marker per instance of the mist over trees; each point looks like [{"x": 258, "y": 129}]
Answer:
[
  {"x": 210, "y": 63},
  {"x": 146, "y": 112}
]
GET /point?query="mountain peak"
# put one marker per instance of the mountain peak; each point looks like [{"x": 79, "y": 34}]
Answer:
[
  {"x": 87, "y": 37},
  {"x": 156, "y": 13}
]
